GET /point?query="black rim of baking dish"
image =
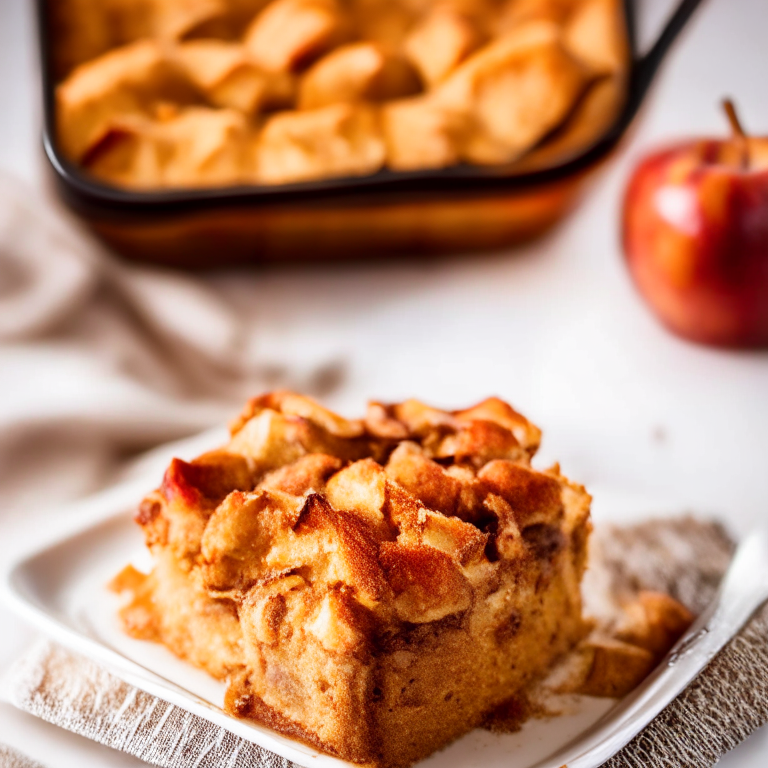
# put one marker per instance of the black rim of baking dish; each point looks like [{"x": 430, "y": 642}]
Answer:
[{"x": 462, "y": 179}]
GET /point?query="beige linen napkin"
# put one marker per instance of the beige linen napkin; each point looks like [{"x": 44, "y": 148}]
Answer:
[
  {"x": 99, "y": 357},
  {"x": 12, "y": 758},
  {"x": 683, "y": 557}
]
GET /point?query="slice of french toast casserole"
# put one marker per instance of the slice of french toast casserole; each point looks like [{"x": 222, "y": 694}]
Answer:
[{"x": 374, "y": 587}]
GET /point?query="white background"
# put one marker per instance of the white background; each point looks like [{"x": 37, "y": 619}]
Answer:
[{"x": 555, "y": 327}]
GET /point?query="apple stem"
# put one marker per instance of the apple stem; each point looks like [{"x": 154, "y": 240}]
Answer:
[{"x": 738, "y": 133}]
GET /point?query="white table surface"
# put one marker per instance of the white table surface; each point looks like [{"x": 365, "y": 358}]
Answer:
[{"x": 555, "y": 327}]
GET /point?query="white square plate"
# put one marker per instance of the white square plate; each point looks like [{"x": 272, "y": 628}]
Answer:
[{"x": 59, "y": 584}]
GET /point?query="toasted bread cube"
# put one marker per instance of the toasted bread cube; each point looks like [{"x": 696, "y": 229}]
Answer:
[
  {"x": 210, "y": 147},
  {"x": 594, "y": 114},
  {"x": 126, "y": 154},
  {"x": 269, "y": 440},
  {"x": 361, "y": 488},
  {"x": 289, "y": 33},
  {"x": 655, "y": 621},
  {"x": 612, "y": 668},
  {"x": 421, "y": 419},
  {"x": 340, "y": 140},
  {"x": 125, "y": 81},
  {"x": 421, "y": 133},
  {"x": 196, "y": 146},
  {"x": 424, "y": 478},
  {"x": 224, "y": 72},
  {"x": 239, "y": 534},
  {"x": 535, "y": 497},
  {"x": 440, "y": 43},
  {"x": 356, "y": 72},
  {"x": 291, "y": 404},
  {"x": 496, "y": 411},
  {"x": 428, "y": 584},
  {"x": 445, "y": 533},
  {"x": 309, "y": 473},
  {"x": 596, "y": 34},
  {"x": 515, "y": 90},
  {"x": 380, "y": 421},
  {"x": 272, "y": 435},
  {"x": 208, "y": 62},
  {"x": 480, "y": 441}
]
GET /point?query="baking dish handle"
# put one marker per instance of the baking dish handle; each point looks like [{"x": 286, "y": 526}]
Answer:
[{"x": 648, "y": 63}]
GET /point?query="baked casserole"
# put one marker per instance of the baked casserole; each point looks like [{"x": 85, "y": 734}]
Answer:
[{"x": 177, "y": 93}]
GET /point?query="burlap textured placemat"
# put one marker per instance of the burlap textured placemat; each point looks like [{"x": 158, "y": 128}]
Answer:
[{"x": 683, "y": 557}]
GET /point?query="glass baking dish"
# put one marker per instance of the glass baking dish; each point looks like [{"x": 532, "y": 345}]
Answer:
[{"x": 453, "y": 209}]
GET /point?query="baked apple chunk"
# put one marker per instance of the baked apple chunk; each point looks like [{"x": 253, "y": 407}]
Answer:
[{"x": 374, "y": 587}]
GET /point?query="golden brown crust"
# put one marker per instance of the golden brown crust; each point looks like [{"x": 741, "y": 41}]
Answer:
[{"x": 381, "y": 573}]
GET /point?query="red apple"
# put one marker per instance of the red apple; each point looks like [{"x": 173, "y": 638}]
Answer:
[{"x": 695, "y": 234}]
